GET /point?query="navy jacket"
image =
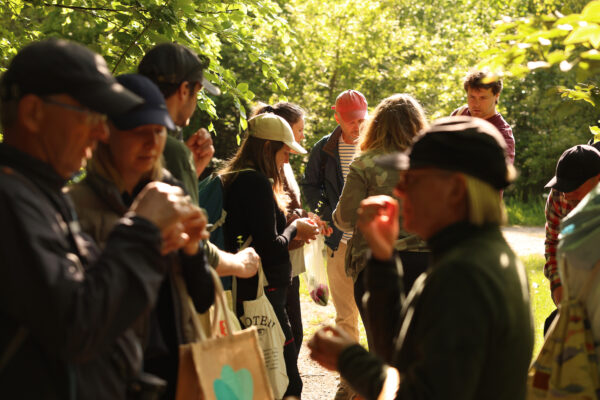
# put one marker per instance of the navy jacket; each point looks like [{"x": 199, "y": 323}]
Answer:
[
  {"x": 72, "y": 305},
  {"x": 323, "y": 182}
]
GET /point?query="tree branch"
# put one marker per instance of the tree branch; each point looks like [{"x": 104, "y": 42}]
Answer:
[
  {"x": 217, "y": 12},
  {"x": 133, "y": 42},
  {"x": 82, "y": 8}
]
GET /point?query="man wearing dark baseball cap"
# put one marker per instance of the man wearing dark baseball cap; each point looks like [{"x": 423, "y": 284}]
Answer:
[
  {"x": 178, "y": 73},
  {"x": 577, "y": 172},
  {"x": 65, "y": 307},
  {"x": 466, "y": 330}
]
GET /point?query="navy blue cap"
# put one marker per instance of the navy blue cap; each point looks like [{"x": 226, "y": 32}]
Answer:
[{"x": 153, "y": 111}]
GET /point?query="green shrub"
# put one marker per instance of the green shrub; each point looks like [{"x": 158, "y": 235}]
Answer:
[{"x": 527, "y": 213}]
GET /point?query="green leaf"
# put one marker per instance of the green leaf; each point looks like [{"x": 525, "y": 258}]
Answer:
[
  {"x": 587, "y": 33},
  {"x": 591, "y": 11},
  {"x": 242, "y": 87}
]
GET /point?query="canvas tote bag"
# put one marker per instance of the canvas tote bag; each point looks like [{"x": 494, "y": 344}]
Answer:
[
  {"x": 567, "y": 366},
  {"x": 260, "y": 314},
  {"x": 222, "y": 367}
]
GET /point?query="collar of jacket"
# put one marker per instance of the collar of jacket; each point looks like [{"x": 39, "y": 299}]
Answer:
[
  {"x": 33, "y": 168},
  {"x": 331, "y": 146},
  {"x": 450, "y": 236}
]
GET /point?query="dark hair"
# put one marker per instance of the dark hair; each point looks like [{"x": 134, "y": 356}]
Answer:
[
  {"x": 475, "y": 80},
  {"x": 289, "y": 111},
  {"x": 8, "y": 113},
  {"x": 258, "y": 154},
  {"x": 170, "y": 64}
]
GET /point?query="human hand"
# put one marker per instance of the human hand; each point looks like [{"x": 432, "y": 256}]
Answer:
[
  {"x": 557, "y": 295},
  {"x": 327, "y": 344},
  {"x": 249, "y": 261},
  {"x": 168, "y": 208},
  {"x": 186, "y": 234},
  {"x": 324, "y": 227},
  {"x": 378, "y": 222},
  {"x": 306, "y": 229},
  {"x": 201, "y": 146}
]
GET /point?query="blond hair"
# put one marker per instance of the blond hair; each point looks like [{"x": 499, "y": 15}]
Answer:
[
  {"x": 102, "y": 163},
  {"x": 485, "y": 203},
  {"x": 393, "y": 124}
]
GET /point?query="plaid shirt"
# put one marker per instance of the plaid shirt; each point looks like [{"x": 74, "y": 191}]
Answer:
[{"x": 557, "y": 207}]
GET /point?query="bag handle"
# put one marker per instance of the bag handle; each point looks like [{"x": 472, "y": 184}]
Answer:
[
  {"x": 200, "y": 335},
  {"x": 220, "y": 305}
]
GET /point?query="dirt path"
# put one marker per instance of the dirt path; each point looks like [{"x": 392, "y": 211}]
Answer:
[{"x": 320, "y": 384}]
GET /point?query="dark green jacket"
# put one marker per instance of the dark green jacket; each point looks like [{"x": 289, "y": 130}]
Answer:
[
  {"x": 465, "y": 331},
  {"x": 180, "y": 163}
]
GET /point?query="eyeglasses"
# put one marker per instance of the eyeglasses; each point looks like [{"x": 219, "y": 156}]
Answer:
[{"x": 91, "y": 117}]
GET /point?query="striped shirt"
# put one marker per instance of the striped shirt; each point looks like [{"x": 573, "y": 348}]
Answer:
[
  {"x": 557, "y": 207},
  {"x": 346, "y": 156}
]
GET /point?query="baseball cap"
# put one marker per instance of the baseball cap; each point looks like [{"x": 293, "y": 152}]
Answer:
[
  {"x": 462, "y": 144},
  {"x": 351, "y": 105},
  {"x": 153, "y": 111},
  {"x": 173, "y": 63},
  {"x": 575, "y": 166},
  {"x": 272, "y": 127},
  {"x": 57, "y": 66}
]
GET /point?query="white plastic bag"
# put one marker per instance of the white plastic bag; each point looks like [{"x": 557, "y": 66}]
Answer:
[{"x": 316, "y": 277}]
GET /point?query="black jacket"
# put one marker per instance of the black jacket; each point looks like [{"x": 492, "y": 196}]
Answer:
[
  {"x": 72, "y": 303},
  {"x": 323, "y": 182},
  {"x": 252, "y": 210}
]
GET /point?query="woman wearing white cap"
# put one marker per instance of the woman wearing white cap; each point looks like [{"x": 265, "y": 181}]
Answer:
[{"x": 256, "y": 204}]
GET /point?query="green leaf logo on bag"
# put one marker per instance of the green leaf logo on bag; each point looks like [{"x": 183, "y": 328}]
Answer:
[{"x": 234, "y": 385}]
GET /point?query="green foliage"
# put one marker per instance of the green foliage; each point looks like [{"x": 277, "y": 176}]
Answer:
[
  {"x": 525, "y": 213},
  {"x": 123, "y": 30},
  {"x": 539, "y": 293}
]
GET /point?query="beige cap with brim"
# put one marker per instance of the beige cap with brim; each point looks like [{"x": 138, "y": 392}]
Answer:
[{"x": 272, "y": 127}]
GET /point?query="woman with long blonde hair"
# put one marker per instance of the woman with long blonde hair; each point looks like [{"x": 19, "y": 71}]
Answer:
[{"x": 392, "y": 126}]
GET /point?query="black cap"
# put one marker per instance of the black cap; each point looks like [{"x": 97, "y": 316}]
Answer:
[
  {"x": 463, "y": 144},
  {"x": 56, "y": 66},
  {"x": 173, "y": 63},
  {"x": 575, "y": 166},
  {"x": 153, "y": 111}
]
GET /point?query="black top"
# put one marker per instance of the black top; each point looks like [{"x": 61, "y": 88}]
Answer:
[
  {"x": 252, "y": 210},
  {"x": 74, "y": 303}
]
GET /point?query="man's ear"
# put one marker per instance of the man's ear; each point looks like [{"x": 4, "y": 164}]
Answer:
[
  {"x": 336, "y": 117},
  {"x": 457, "y": 191},
  {"x": 31, "y": 113},
  {"x": 497, "y": 97},
  {"x": 183, "y": 91}
]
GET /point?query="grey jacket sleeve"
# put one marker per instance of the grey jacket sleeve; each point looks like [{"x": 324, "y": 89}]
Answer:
[{"x": 355, "y": 190}]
